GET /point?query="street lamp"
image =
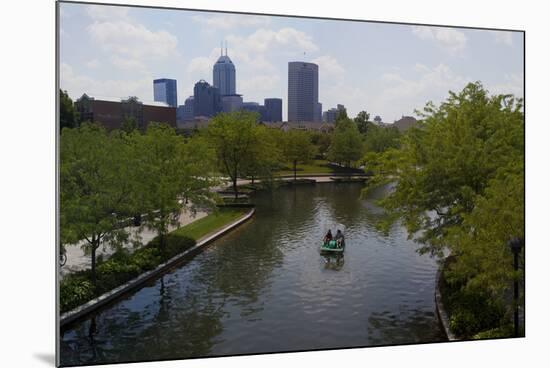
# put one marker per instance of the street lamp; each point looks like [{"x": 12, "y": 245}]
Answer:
[{"x": 515, "y": 245}]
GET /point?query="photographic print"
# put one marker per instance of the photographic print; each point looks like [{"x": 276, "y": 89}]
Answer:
[{"x": 234, "y": 184}]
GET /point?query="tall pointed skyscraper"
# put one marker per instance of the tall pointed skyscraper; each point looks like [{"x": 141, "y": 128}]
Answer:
[{"x": 224, "y": 75}]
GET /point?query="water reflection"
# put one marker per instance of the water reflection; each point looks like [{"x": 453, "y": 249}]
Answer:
[{"x": 265, "y": 288}]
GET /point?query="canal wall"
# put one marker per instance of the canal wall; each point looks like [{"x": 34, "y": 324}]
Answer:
[
  {"x": 119, "y": 291},
  {"x": 439, "y": 307}
]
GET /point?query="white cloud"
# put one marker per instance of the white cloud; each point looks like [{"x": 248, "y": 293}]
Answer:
[
  {"x": 263, "y": 39},
  {"x": 260, "y": 83},
  {"x": 132, "y": 39},
  {"x": 201, "y": 67},
  {"x": 103, "y": 13},
  {"x": 399, "y": 94},
  {"x": 450, "y": 39},
  {"x": 513, "y": 84},
  {"x": 329, "y": 66},
  {"x": 231, "y": 21},
  {"x": 503, "y": 37},
  {"x": 93, "y": 64},
  {"x": 76, "y": 85},
  {"x": 128, "y": 64}
]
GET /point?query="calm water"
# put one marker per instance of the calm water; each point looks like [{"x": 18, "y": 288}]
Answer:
[{"x": 265, "y": 288}]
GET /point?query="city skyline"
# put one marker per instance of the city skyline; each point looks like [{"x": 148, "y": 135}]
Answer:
[{"x": 386, "y": 69}]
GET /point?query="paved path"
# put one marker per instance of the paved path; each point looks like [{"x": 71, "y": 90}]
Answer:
[{"x": 77, "y": 260}]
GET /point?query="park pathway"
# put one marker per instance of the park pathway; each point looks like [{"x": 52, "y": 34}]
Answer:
[{"x": 77, "y": 260}]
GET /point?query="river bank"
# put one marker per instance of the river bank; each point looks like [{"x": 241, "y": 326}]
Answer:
[{"x": 202, "y": 232}]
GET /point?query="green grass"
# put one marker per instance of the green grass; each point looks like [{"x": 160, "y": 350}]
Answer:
[
  {"x": 206, "y": 225},
  {"x": 317, "y": 167}
]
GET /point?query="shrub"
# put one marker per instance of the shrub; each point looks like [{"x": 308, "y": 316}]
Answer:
[
  {"x": 75, "y": 291},
  {"x": 121, "y": 267},
  {"x": 113, "y": 273},
  {"x": 506, "y": 331},
  {"x": 472, "y": 310},
  {"x": 176, "y": 244},
  {"x": 146, "y": 258}
]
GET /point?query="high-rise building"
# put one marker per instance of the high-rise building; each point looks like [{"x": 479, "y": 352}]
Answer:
[
  {"x": 303, "y": 91},
  {"x": 232, "y": 103},
  {"x": 330, "y": 115},
  {"x": 255, "y": 107},
  {"x": 273, "y": 109},
  {"x": 206, "y": 99},
  {"x": 165, "y": 90},
  {"x": 318, "y": 112},
  {"x": 224, "y": 75},
  {"x": 185, "y": 111}
]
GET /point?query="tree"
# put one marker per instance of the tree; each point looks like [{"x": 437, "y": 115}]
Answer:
[
  {"x": 363, "y": 123},
  {"x": 379, "y": 139},
  {"x": 233, "y": 137},
  {"x": 68, "y": 117},
  {"x": 170, "y": 173},
  {"x": 297, "y": 148},
  {"x": 265, "y": 156},
  {"x": 129, "y": 124},
  {"x": 94, "y": 188},
  {"x": 459, "y": 184},
  {"x": 347, "y": 143},
  {"x": 322, "y": 142}
]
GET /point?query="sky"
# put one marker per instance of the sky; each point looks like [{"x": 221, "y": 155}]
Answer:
[{"x": 386, "y": 69}]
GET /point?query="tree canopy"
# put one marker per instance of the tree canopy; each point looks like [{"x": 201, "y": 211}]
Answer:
[
  {"x": 94, "y": 190},
  {"x": 297, "y": 148},
  {"x": 459, "y": 184},
  {"x": 68, "y": 117},
  {"x": 233, "y": 137},
  {"x": 347, "y": 143}
]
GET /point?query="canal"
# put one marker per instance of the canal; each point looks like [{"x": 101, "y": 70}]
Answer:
[{"x": 265, "y": 288}]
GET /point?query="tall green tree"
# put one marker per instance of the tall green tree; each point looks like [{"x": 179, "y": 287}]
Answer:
[
  {"x": 363, "y": 123},
  {"x": 265, "y": 156},
  {"x": 459, "y": 184},
  {"x": 233, "y": 137},
  {"x": 68, "y": 117},
  {"x": 322, "y": 142},
  {"x": 347, "y": 143},
  {"x": 171, "y": 174},
  {"x": 297, "y": 148},
  {"x": 379, "y": 139},
  {"x": 94, "y": 188}
]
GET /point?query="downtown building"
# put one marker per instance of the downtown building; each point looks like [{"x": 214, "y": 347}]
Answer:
[
  {"x": 206, "y": 100},
  {"x": 112, "y": 113},
  {"x": 330, "y": 115},
  {"x": 224, "y": 75},
  {"x": 303, "y": 92},
  {"x": 166, "y": 90},
  {"x": 273, "y": 109}
]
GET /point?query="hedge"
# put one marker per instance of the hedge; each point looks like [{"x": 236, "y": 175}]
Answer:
[{"x": 77, "y": 288}]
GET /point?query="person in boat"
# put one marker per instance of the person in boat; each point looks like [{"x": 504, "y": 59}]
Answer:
[
  {"x": 328, "y": 237},
  {"x": 339, "y": 238}
]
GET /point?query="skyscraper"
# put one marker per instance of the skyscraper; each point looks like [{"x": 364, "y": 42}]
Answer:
[
  {"x": 165, "y": 90},
  {"x": 303, "y": 91},
  {"x": 274, "y": 109},
  {"x": 206, "y": 99},
  {"x": 224, "y": 75}
]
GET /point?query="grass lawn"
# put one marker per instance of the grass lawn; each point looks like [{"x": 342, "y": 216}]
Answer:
[
  {"x": 316, "y": 167},
  {"x": 206, "y": 225}
]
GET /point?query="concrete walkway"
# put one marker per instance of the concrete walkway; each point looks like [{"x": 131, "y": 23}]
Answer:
[
  {"x": 77, "y": 260},
  {"x": 319, "y": 179}
]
